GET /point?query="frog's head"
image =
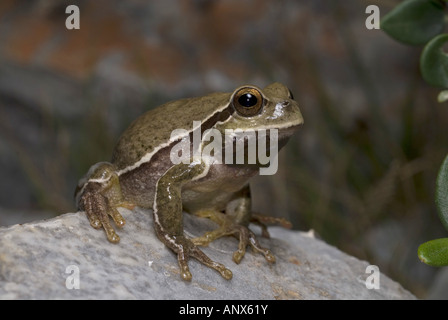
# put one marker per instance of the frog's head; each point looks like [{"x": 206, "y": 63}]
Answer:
[
  {"x": 257, "y": 123},
  {"x": 273, "y": 107}
]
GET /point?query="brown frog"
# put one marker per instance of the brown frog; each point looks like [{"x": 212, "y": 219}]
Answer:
[{"x": 142, "y": 172}]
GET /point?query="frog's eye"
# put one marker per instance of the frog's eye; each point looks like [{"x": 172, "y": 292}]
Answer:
[{"x": 248, "y": 101}]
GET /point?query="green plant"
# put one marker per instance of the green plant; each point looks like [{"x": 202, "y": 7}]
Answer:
[
  {"x": 435, "y": 252},
  {"x": 422, "y": 22}
]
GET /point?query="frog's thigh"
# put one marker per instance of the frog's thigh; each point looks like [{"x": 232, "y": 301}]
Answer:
[{"x": 168, "y": 218}]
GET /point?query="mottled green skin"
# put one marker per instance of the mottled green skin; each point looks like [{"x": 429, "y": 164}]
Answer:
[{"x": 142, "y": 174}]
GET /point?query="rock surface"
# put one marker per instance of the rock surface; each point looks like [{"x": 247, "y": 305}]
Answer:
[{"x": 40, "y": 260}]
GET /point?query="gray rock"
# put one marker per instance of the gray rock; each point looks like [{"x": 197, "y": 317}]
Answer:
[
  {"x": 40, "y": 260},
  {"x": 439, "y": 288}
]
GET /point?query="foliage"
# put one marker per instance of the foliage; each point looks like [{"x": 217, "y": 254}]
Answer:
[
  {"x": 421, "y": 22},
  {"x": 415, "y": 22}
]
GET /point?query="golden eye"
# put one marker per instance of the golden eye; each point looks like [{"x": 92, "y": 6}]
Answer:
[{"x": 248, "y": 101}]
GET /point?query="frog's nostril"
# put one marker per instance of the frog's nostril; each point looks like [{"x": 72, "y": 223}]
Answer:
[{"x": 285, "y": 103}]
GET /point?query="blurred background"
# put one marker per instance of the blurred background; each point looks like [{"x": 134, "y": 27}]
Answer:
[{"x": 360, "y": 172}]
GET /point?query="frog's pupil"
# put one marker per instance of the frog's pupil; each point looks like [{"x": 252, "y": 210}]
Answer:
[{"x": 247, "y": 100}]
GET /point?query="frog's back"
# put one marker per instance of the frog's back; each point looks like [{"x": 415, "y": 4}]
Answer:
[{"x": 153, "y": 129}]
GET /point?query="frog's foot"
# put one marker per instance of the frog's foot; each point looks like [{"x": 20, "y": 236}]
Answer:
[
  {"x": 185, "y": 248},
  {"x": 262, "y": 221},
  {"x": 246, "y": 237},
  {"x": 99, "y": 194},
  {"x": 98, "y": 211}
]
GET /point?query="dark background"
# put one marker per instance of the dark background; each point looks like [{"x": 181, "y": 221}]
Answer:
[{"x": 360, "y": 172}]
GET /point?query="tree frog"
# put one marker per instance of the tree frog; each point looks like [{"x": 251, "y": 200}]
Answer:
[{"x": 142, "y": 173}]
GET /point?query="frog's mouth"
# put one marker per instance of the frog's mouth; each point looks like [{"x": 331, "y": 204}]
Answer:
[
  {"x": 285, "y": 133},
  {"x": 259, "y": 142}
]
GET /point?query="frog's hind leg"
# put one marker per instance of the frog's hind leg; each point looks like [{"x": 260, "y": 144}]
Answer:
[
  {"x": 229, "y": 228},
  {"x": 234, "y": 222},
  {"x": 262, "y": 221}
]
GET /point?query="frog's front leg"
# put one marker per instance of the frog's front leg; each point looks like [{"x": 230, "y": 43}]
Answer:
[
  {"x": 234, "y": 222},
  {"x": 99, "y": 195},
  {"x": 168, "y": 218}
]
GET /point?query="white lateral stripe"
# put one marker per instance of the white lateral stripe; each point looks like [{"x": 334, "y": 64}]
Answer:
[{"x": 148, "y": 156}]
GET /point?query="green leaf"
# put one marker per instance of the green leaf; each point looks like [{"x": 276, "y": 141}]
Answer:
[
  {"x": 442, "y": 193},
  {"x": 434, "y": 62},
  {"x": 414, "y": 22},
  {"x": 434, "y": 252}
]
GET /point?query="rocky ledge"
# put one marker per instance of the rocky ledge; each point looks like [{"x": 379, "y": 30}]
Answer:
[{"x": 64, "y": 258}]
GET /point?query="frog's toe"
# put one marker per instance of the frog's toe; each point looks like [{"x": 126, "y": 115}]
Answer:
[
  {"x": 203, "y": 258},
  {"x": 127, "y": 205},
  {"x": 94, "y": 221},
  {"x": 185, "y": 249},
  {"x": 95, "y": 206},
  {"x": 117, "y": 217},
  {"x": 111, "y": 235},
  {"x": 183, "y": 266},
  {"x": 247, "y": 237},
  {"x": 209, "y": 237}
]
